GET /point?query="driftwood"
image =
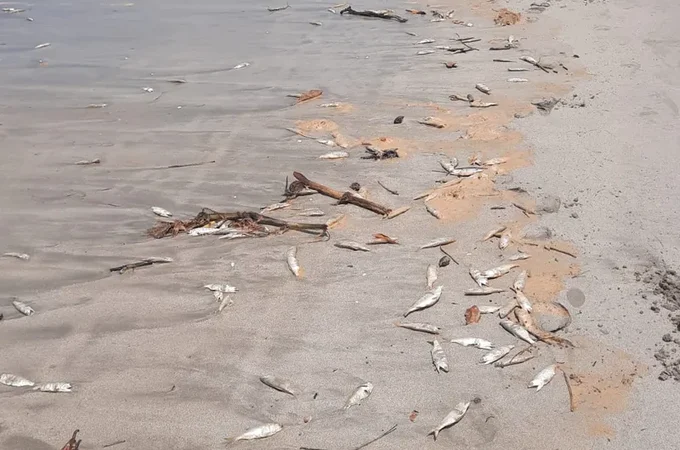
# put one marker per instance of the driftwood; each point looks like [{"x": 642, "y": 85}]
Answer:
[
  {"x": 382, "y": 14},
  {"x": 145, "y": 262},
  {"x": 342, "y": 197},
  {"x": 247, "y": 220}
]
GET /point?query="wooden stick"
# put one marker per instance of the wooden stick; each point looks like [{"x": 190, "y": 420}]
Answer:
[
  {"x": 446, "y": 253},
  {"x": 177, "y": 166},
  {"x": 346, "y": 197},
  {"x": 215, "y": 216},
  {"x": 391, "y": 191},
  {"x": 376, "y": 439},
  {"x": 559, "y": 250},
  {"x": 572, "y": 406}
]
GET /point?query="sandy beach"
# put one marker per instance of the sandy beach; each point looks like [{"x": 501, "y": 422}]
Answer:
[{"x": 147, "y": 86}]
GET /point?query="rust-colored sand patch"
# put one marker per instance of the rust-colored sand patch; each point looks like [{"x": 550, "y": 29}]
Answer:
[
  {"x": 316, "y": 125},
  {"x": 506, "y": 17},
  {"x": 547, "y": 272},
  {"x": 463, "y": 200}
]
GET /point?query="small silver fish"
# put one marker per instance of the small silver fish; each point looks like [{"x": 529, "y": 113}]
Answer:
[
  {"x": 431, "y": 122},
  {"x": 291, "y": 258},
  {"x": 480, "y": 279},
  {"x": 225, "y": 288},
  {"x": 529, "y": 59},
  {"x": 411, "y": 33},
  {"x": 9, "y": 379},
  {"x": 438, "y": 243},
  {"x": 263, "y": 431},
  {"x": 466, "y": 171},
  {"x": 436, "y": 214},
  {"x": 482, "y": 104},
  {"x": 483, "y": 88},
  {"x": 160, "y": 211},
  {"x": 427, "y": 300},
  {"x": 88, "y": 162},
  {"x": 22, "y": 256},
  {"x": 451, "y": 418},
  {"x": 147, "y": 89},
  {"x": 519, "y": 358},
  {"x": 241, "y": 66},
  {"x": 312, "y": 212},
  {"x": 329, "y": 105},
  {"x": 439, "y": 357},
  {"x": 495, "y": 355},
  {"x": 488, "y": 309},
  {"x": 521, "y": 281},
  {"x": 431, "y": 275},
  {"x": 493, "y": 233},
  {"x": 278, "y": 384},
  {"x": 53, "y": 387},
  {"x": 484, "y": 291},
  {"x": 397, "y": 212},
  {"x": 224, "y": 301},
  {"x": 507, "y": 308},
  {"x": 46, "y": 44},
  {"x": 425, "y": 41},
  {"x": 543, "y": 377},
  {"x": 351, "y": 245},
  {"x": 334, "y": 155},
  {"x": 318, "y": 24},
  {"x": 517, "y": 69},
  {"x": 522, "y": 300},
  {"x": 517, "y": 80},
  {"x": 495, "y": 161},
  {"x": 498, "y": 271},
  {"x": 361, "y": 393},
  {"x": 23, "y": 308},
  {"x": 517, "y": 330},
  {"x": 519, "y": 256},
  {"x": 275, "y": 206},
  {"x": 425, "y": 52},
  {"x": 328, "y": 142},
  {"x": 482, "y": 344},
  {"x": 419, "y": 326},
  {"x": 505, "y": 240}
]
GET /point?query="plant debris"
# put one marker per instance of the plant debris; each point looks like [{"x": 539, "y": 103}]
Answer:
[
  {"x": 378, "y": 154},
  {"x": 380, "y": 14},
  {"x": 143, "y": 263},
  {"x": 73, "y": 444},
  {"x": 309, "y": 95},
  {"x": 472, "y": 315}
]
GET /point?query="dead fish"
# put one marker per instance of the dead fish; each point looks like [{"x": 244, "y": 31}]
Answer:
[
  {"x": 520, "y": 281},
  {"x": 519, "y": 358},
  {"x": 451, "y": 418},
  {"x": 507, "y": 308},
  {"x": 147, "y": 89},
  {"x": 9, "y": 379},
  {"x": 334, "y": 221},
  {"x": 291, "y": 258},
  {"x": 498, "y": 271},
  {"x": 176, "y": 81},
  {"x": 543, "y": 377},
  {"x": 493, "y": 233},
  {"x": 433, "y": 211},
  {"x": 97, "y": 105},
  {"x": 278, "y": 8},
  {"x": 53, "y": 387},
  {"x": 529, "y": 59},
  {"x": 517, "y": 69},
  {"x": 439, "y": 357},
  {"x": 278, "y": 384},
  {"x": 87, "y": 162},
  {"x": 275, "y": 206},
  {"x": 483, "y": 88},
  {"x": 505, "y": 240},
  {"x": 483, "y": 291},
  {"x": 219, "y": 295},
  {"x": 466, "y": 171},
  {"x": 22, "y": 256},
  {"x": 411, "y": 33},
  {"x": 160, "y": 211},
  {"x": 426, "y": 41},
  {"x": 224, "y": 288},
  {"x": 23, "y": 308},
  {"x": 334, "y": 155},
  {"x": 522, "y": 300},
  {"x": 482, "y": 104},
  {"x": 495, "y": 355},
  {"x": 517, "y": 330},
  {"x": 432, "y": 122},
  {"x": 519, "y": 256},
  {"x": 312, "y": 212},
  {"x": 397, "y": 212},
  {"x": 438, "y": 243},
  {"x": 431, "y": 275},
  {"x": 46, "y": 44},
  {"x": 527, "y": 320},
  {"x": 476, "y": 275},
  {"x": 224, "y": 301},
  {"x": 425, "y": 52},
  {"x": 329, "y": 105},
  {"x": 361, "y": 393},
  {"x": 425, "y": 301},
  {"x": 351, "y": 245},
  {"x": 419, "y": 326},
  {"x": 517, "y": 80},
  {"x": 327, "y": 142},
  {"x": 481, "y": 344},
  {"x": 241, "y": 66},
  {"x": 489, "y": 309},
  {"x": 263, "y": 431},
  {"x": 495, "y": 161}
]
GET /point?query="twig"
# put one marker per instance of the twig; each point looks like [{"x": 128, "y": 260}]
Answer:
[
  {"x": 300, "y": 133},
  {"x": 391, "y": 191},
  {"x": 452, "y": 258},
  {"x": 115, "y": 443},
  {"x": 377, "y": 14},
  {"x": 376, "y": 439},
  {"x": 559, "y": 250},
  {"x": 572, "y": 406},
  {"x": 177, "y": 166},
  {"x": 524, "y": 209},
  {"x": 278, "y": 8},
  {"x": 134, "y": 265}
]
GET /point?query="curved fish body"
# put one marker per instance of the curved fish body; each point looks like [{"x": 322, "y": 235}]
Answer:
[
  {"x": 360, "y": 394},
  {"x": 496, "y": 354},
  {"x": 517, "y": 330},
  {"x": 522, "y": 300},
  {"x": 263, "y": 431},
  {"x": 9, "y": 379},
  {"x": 451, "y": 418},
  {"x": 543, "y": 377},
  {"x": 23, "y": 308},
  {"x": 480, "y": 279},
  {"x": 494, "y": 233},
  {"x": 519, "y": 358},
  {"x": 439, "y": 357},
  {"x": 291, "y": 258},
  {"x": 499, "y": 271},
  {"x": 425, "y": 301},
  {"x": 160, "y": 211}
]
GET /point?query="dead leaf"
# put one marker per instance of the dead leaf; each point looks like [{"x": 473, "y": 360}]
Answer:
[
  {"x": 413, "y": 415},
  {"x": 72, "y": 444},
  {"x": 506, "y": 17},
  {"x": 472, "y": 315},
  {"x": 383, "y": 238},
  {"x": 314, "y": 93}
]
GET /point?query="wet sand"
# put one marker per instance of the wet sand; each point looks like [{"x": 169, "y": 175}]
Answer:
[{"x": 151, "y": 362}]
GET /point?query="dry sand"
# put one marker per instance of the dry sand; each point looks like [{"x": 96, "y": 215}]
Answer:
[{"x": 151, "y": 363}]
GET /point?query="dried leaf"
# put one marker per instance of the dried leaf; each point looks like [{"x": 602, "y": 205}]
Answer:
[
  {"x": 413, "y": 415},
  {"x": 72, "y": 444},
  {"x": 472, "y": 315},
  {"x": 314, "y": 93}
]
